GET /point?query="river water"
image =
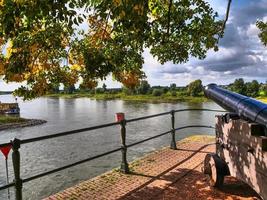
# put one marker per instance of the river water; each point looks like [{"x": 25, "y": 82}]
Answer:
[{"x": 68, "y": 114}]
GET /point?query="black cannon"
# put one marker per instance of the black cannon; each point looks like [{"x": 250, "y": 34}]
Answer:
[
  {"x": 241, "y": 142},
  {"x": 243, "y": 106}
]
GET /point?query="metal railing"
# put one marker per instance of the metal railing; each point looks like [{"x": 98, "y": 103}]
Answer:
[{"x": 17, "y": 143}]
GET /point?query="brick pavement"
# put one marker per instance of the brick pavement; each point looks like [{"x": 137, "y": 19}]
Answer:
[{"x": 164, "y": 174}]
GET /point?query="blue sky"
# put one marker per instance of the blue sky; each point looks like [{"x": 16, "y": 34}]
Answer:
[{"x": 240, "y": 55}]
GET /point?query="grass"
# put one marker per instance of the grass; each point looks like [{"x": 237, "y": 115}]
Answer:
[
  {"x": 263, "y": 99},
  {"x": 199, "y": 138},
  {"x": 11, "y": 119},
  {"x": 141, "y": 98}
]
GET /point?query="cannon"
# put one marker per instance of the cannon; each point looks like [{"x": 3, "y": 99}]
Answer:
[{"x": 241, "y": 140}]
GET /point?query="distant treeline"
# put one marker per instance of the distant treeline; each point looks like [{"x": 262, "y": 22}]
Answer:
[
  {"x": 195, "y": 88},
  {"x": 252, "y": 89},
  {"x": 143, "y": 88}
]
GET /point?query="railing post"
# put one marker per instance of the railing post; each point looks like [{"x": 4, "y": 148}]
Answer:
[
  {"x": 124, "y": 164},
  {"x": 16, "y": 167},
  {"x": 173, "y": 142}
]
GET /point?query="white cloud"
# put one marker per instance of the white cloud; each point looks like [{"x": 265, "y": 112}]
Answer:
[{"x": 252, "y": 30}]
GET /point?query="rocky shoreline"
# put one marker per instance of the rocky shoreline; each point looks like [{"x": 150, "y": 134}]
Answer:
[{"x": 28, "y": 122}]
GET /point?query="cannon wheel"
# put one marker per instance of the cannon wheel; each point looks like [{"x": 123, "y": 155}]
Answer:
[{"x": 216, "y": 169}]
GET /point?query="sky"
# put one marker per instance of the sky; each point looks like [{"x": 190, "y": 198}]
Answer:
[{"x": 240, "y": 55}]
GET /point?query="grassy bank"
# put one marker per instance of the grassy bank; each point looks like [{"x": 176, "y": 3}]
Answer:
[
  {"x": 263, "y": 99},
  {"x": 11, "y": 119},
  {"x": 141, "y": 98}
]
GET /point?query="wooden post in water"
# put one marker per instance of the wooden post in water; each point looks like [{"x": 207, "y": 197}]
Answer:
[
  {"x": 120, "y": 117},
  {"x": 173, "y": 142},
  {"x": 16, "y": 167}
]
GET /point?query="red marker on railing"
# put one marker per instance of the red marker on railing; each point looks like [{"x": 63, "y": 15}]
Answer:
[
  {"x": 5, "y": 150},
  {"x": 120, "y": 117}
]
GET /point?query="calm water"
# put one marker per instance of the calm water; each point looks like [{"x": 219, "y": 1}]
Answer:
[{"x": 68, "y": 114}]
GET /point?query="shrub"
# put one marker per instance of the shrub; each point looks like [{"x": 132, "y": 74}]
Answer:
[
  {"x": 165, "y": 90},
  {"x": 173, "y": 93},
  {"x": 157, "y": 92},
  {"x": 194, "y": 88},
  {"x": 99, "y": 91},
  {"x": 143, "y": 88},
  {"x": 253, "y": 88}
]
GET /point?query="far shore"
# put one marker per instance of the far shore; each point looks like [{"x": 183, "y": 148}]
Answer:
[{"x": 140, "y": 98}]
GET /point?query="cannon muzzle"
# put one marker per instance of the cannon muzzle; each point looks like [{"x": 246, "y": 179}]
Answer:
[{"x": 245, "y": 107}]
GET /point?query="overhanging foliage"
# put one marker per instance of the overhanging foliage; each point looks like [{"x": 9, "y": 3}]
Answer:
[{"x": 41, "y": 44}]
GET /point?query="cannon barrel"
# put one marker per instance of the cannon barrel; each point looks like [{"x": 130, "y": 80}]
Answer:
[{"x": 245, "y": 107}]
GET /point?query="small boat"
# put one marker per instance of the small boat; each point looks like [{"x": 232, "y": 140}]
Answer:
[
  {"x": 13, "y": 111},
  {"x": 9, "y": 108}
]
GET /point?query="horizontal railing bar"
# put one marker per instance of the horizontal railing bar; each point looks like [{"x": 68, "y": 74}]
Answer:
[
  {"x": 6, "y": 186},
  {"x": 68, "y": 133},
  {"x": 70, "y": 165},
  {"x": 199, "y": 109},
  {"x": 148, "y": 116},
  {"x": 194, "y": 126},
  {"x": 166, "y": 113},
  {"x": 159, "y": 135},
  {"x": 147, "y": 139}
]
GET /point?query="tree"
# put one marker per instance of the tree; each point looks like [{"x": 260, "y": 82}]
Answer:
[
  {"x": 44, "y": 46},
  {"x": 263, "y": 89},
  {"x": 54, "y": 88},
  {"x": 253, "y": 88},
  {"x": 172, "y": 86},
  {"x": 263, "y": 31},
  {"x": 194, "y": 88},
  {"x": 239, "y": 86},
  {"x": 130, "y": 79},
  {"x": 104, "y": 87},
  {"x": 143, "y": 88},
  {"x": 88, "y": 84},
  {"x": 70, "y": 89},
  {"x": 157, "y": 92}
]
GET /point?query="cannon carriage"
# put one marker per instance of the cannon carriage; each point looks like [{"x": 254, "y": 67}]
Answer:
[{"x": 241, "y": 140}]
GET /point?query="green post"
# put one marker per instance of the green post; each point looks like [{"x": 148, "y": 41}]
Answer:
[
  {"x": 173, "y": 142},
  {"x": 16, "y": 167},
  {"x": 124, "y": 163}
]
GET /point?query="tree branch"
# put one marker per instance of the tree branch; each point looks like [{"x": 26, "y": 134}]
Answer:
[
  {"x": 226, "y": 16},
  {"x": 168, "y": 24},
  {"x": 169, "y": 18}
]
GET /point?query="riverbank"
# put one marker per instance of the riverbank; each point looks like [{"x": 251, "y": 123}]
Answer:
[
  {"x": 9, "y": 122},
  {"x": 165, "y": 98},
  {"x": 164, "y": 174}
]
